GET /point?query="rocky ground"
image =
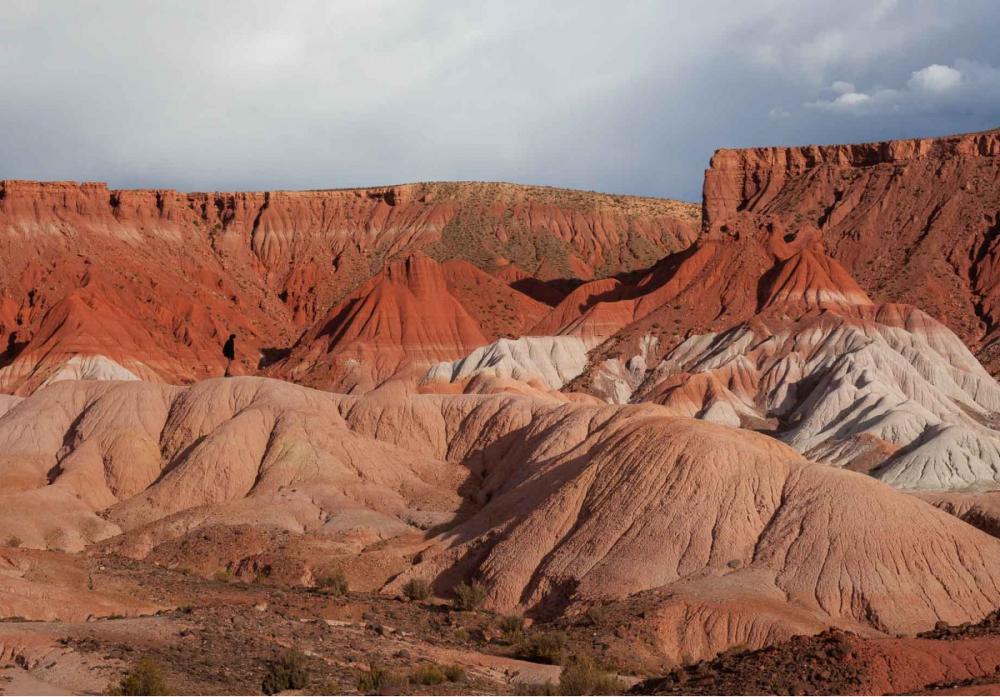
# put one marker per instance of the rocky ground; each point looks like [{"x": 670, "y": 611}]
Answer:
[
  {"x": 961, "y": 659},
  {"x": 221, "y": 635}
]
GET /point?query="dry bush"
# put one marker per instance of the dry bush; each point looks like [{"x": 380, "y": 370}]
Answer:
[
  {"x": 427, "y": 674},
  {"x": 145, "y": 678},
  {"x": 543, "y": 647},
  {"x": 287, "y": 672},
  {"x": 512, "y": 628},
  {"x": 417, "y": 589},
  {"x": 333, "y": 583},
  {"x": 582, "y": 676},
  {"x": 470, "y": 596},
  {"x": 381, "y": 681}
]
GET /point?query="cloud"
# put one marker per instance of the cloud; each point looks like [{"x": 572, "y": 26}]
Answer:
[
  {"x": 628, "y": 98},
  {"x": 935, "y": 78},
  {"x": 967, "y": 86}
]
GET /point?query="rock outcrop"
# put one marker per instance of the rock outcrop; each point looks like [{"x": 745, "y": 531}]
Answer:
[
  {"x": 155, "y": 281},
  {"x": 407, "y": 318},
  {"x": 914, "y": 221},
  {"x": 763, "y": 329}
]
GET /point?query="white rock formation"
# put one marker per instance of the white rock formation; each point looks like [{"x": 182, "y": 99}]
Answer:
[
  {"x": 91, "y": 368},
  {"x": 553, "y": 360},
  {"x": 890, "y": 391}
]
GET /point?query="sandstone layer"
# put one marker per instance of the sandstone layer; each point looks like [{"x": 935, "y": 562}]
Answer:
[
  {"x": 153, "y": 282},
  {"x": 914, "y": 221}
]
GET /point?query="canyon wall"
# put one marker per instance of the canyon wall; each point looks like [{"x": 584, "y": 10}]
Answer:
[
  {"x": 156, "y": 280},
  {"x": 914, "y": 221}
]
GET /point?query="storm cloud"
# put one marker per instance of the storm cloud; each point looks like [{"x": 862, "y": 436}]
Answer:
[{"x": 628, "y": 97}]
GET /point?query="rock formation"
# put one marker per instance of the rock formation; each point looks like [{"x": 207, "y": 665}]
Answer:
[
  {"x": 914, "y": 221},
  {"x": 155, "y": 281},
  {"x": 408, "y": 317},
  {"x": 552, "y": 505}
]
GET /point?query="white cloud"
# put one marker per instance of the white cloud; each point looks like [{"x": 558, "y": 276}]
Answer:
[
  {"x": 851, "y": 100},
  {"x": 967, "y": 86},
  {"x": 858, "y": 103},
  {"x": 842, "y": 87},
  {"x": 935, "y": 78}
]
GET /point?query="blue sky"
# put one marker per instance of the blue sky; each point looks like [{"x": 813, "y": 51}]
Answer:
[{"x": 627, "y": 97}]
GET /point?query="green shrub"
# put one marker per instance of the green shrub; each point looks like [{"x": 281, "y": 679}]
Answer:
[
  {"x": 582, "y": 676},
  {"x": 287, "y": 672},
  {"x": 145, "y": 678},
  {"x": 544, "y": 647},
  {"x": 417, "y": 589},
  {"x": 427, "y": 674},
  {"x": 333, "y": 583},
  {"x": 380, "y": 681},
  {"x": 223, "y": 576},
  {"x": 470, "y": 596}
]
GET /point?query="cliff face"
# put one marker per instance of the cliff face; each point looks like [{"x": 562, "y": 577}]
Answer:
[
  {"x": 179, "y": 272},
  {"x": 914, "y": 221}
]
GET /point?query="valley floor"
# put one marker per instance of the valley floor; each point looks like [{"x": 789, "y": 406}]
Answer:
[{"x": 221, "y": 636}]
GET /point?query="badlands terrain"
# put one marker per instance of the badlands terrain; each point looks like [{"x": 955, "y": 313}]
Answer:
[{"x": 487, "y": 438}]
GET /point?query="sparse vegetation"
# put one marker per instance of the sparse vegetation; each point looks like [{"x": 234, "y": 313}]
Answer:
[
  {"x": 543, "y": 647},
  {"x": 223, "y": 576},
  {"x": 454, "y": 672},
  {"x": 417, "y": 589},
  {"x": 380, "y": 681},
  {"x": 13, "y": 541},
  {"x": 582, "y": 676},
  {"x": 512, "y": 628},
  {"x": 145, "y": 678},
  {"x": 594, "y": 616},
  {"x": 470, "y": 596},
  {"x": 433, "y": 674},
  {"x": 427, "y": 674},
  {"x": 333, "y": 583},
  {"x": 535, "y": 688},
  {"x": 287, "y": 672}
]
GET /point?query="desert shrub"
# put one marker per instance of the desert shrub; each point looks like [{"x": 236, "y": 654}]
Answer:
[
  {"x": 333, "y": 583},
  {"x": 287, "y": 672},
  {"x": 544, "y": 647},
  {"x": 13, "y": 541},
  {"x": 223, "y": 576},
  {"x": 582, "y": 676},
  {"x": 417, "y": 589},
  {"x": 535, "y": 688},
  {"x": 594, "y": 616},
  {"x": 380, "y": 681},
  {"x": 512, "y": 628},
  {"x": 454, "y": 673},
  {"x": 145, "y": 678},
  {"x": 470, "y": 596},
  {"x": 427, "y": 674},
  {"x": 461, "y": 635}
]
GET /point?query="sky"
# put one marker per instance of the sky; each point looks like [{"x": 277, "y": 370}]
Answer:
[{"x": 624, "y": 97}]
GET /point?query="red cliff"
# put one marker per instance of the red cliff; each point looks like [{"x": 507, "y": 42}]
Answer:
[
  {"x": 185, "y": 270},
  {"x": 914, "y": 221}
]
